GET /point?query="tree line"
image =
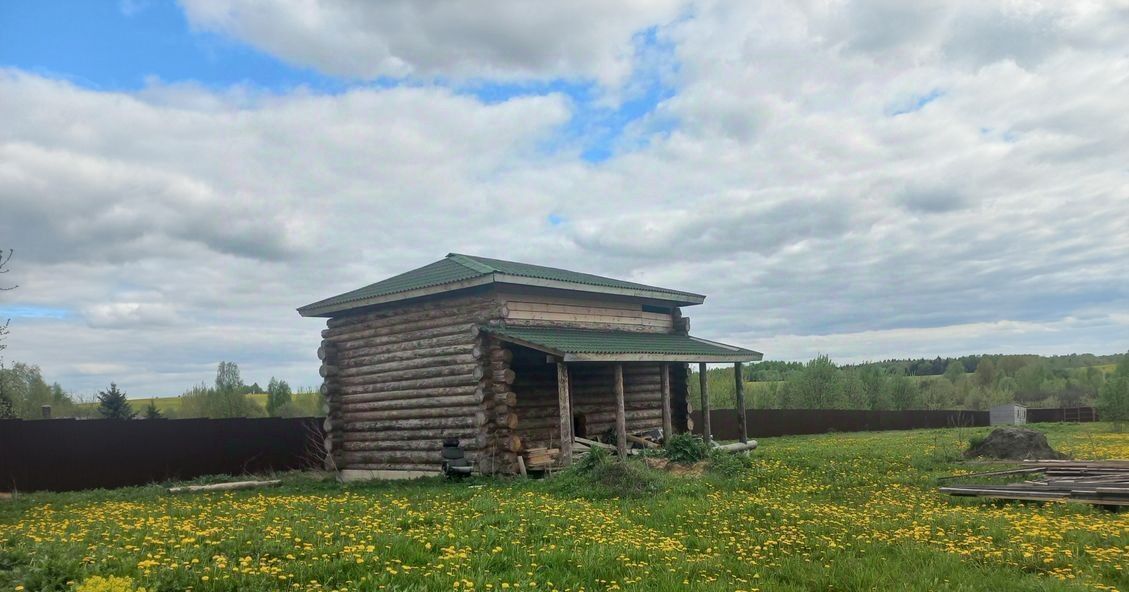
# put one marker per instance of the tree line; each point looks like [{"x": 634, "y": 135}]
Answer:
[
  {"x": 24, "y": 393},
  {"x": 1037, "y": 381}
]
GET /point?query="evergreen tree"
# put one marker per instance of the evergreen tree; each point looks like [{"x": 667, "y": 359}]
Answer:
[
  {"x": 151, "y": 411},
  {"x": 112, "y": 404}
]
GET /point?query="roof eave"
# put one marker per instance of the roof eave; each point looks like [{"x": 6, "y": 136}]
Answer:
[
  {"x": 317, "y": 310},
  {"x": 678, "y": 298},
  {"x": 751, "y": 356}
]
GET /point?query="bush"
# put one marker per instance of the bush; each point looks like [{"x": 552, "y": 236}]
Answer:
[{"x": 686, "y": 448}]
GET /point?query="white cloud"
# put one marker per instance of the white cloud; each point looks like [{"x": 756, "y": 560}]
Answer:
[
  {"x": 990, "y": 219},
  {"x": 507, "y": 39}
]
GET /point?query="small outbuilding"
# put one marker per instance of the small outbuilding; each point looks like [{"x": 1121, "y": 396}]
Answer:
[
  {"x": 504, "y": 357},
  {"x": 1009, "y": 414}
]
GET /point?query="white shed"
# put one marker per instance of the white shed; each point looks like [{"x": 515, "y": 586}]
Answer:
[{"x": 1009, "y": 414}]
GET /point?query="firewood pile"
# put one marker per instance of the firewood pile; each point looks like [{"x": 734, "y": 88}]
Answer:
[{"x": 1103, "y": 483}]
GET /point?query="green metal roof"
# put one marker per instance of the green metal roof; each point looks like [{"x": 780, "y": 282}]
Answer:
[
  {"x": 463, "y": 271},
  {"x": 582, "y": 345}
]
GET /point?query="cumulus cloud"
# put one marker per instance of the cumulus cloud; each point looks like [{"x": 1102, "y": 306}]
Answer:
[
  {"x": 783, "y": 186},
  {"x": 506, "y": 39}
]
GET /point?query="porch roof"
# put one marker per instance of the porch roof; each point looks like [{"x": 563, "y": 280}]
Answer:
[{"x": 583, "y": 345}]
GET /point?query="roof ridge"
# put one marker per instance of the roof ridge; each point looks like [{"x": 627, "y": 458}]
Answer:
[{"x": 471, "y": 263}]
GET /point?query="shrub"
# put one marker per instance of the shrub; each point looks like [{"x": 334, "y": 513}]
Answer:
[{"x": 686, "y": 448}]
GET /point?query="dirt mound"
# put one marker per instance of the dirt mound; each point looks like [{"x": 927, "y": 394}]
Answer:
[{"x": 1013, "y": 444}]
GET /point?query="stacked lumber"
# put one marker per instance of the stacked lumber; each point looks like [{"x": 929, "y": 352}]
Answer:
[
  {"x": 1103, "y": 483},
  {"x": 541, "y": 458}
]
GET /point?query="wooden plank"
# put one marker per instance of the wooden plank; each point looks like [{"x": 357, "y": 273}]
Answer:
[
  {"x": 593, "y": 443},
  {"x": 621, "y": 303},
  {"x": 574, "y": 308},
  {"x": 620, "y": 415},
  {"x": 565, "y": 408},
  {"x": 588, "y": 318},
  {"x": 705, "y": 387}
]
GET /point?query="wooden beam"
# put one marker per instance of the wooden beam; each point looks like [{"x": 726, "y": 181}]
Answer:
[
  {"x": 739, "y": 386},
  {"x": 705, "y": 388},
  {"x": 620, "y": 417},
  {"x": 664, "y": 381},
  {"x": 566, "y": 414}
]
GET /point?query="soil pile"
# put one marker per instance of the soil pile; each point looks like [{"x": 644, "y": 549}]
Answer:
[{"x": 1013, "y": 443}]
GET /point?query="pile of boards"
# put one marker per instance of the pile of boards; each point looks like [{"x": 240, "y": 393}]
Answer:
[
  {"x": 1103, "y": 483},
  {"x": 537, "y": 459}
]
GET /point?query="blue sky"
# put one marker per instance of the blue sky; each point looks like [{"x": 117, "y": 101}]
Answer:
[{"x": 100, "y": 45}]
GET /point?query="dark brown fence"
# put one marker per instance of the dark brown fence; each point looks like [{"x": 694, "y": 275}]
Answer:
[
  {"x": 69, "y": 454},
  {"x": 790, "y": 422}
]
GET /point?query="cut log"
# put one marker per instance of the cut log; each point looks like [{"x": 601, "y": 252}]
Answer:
[
  {"x": 642, "y": 441},
  {"x": 423, "y": 444},
  {"x": 738, "y": 446},
  {"x": 358, "y": 386},
  {"x": 508, "y": 399},
  {"x": 412, "y": 413},
  {"x": 370, "y": 330},
  {"x": 233, "y": 486},
  {"x": 452, "y": 335},
  {"x": 446, "y": 356},
  {"x": 508, "y": 420},
  {"x": 396, "y": 456},
  {"x": 414, "y": 313},
  {"x": 363, "y": 375},
  {"x": 474, "y": 420},
  {"x": 420, "y": 403},
  {"x": 437, "y": 392},
  {"x": 327, "y": 370}
]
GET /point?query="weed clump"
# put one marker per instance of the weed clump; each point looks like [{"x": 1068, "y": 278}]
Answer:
[
  {"x": 599, "y": 475},
  {"x": 686, "y": 449}
]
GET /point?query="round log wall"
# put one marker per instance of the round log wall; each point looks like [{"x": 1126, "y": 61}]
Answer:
[{"x": 399, "y": 380}]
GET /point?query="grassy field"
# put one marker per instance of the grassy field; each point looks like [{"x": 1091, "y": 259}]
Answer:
[
  {"x": 831, "y": 512},
  {"x": 171, "y": 406}
]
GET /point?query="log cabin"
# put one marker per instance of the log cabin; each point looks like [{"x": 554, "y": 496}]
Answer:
[{"x": 506, "y": 357}]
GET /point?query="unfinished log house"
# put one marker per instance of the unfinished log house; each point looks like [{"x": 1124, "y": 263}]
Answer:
[{"x": 505, "y": 357}]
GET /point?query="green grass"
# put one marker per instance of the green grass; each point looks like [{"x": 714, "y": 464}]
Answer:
[{"x": 831, "y": 512}]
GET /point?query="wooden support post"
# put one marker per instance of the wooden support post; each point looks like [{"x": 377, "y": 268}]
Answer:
[
  {"x": 566, "y": 414},
  {"x": 706, "y": 434},
  {"x": 664, "y": 382},
  {"x": 620, "y": 416},
  {"x": 739, "y": 386}
]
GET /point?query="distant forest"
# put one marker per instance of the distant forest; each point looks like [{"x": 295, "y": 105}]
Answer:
[
  {"x": 966, "y": 382},
  {"x": 24, "y": 393}
]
